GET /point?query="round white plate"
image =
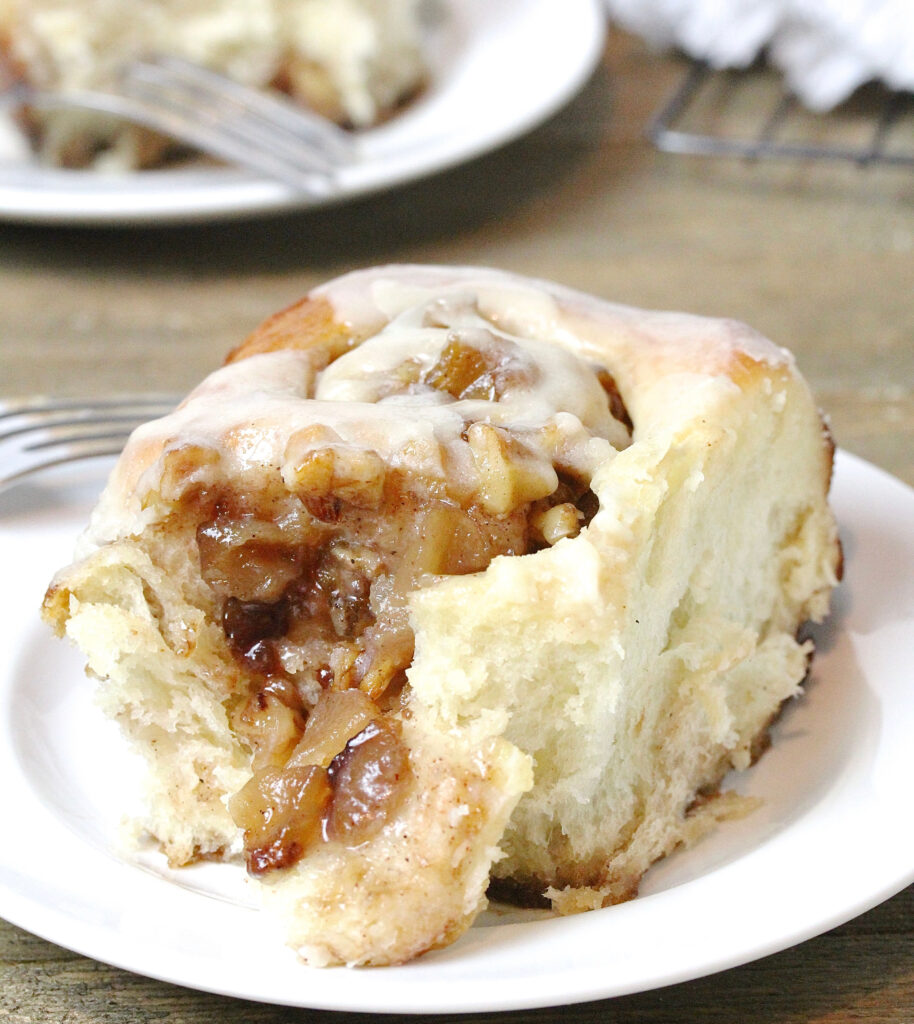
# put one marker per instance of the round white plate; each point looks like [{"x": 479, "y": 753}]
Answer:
[
  {"x": 833, "y": 838},
  {"x": 498, "y": 67}
]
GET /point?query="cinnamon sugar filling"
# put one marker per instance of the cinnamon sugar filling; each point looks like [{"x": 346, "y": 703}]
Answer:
[{"x": 312, "y": 584}]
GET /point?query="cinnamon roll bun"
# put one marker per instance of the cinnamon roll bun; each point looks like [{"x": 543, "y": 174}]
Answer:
[{"x": 451, "y": 579}]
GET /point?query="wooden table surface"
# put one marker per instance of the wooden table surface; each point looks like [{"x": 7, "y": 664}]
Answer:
[{"x": 818, "y": 256}]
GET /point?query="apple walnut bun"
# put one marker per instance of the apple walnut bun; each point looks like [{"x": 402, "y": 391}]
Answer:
[{"x": 450, "y": 579}]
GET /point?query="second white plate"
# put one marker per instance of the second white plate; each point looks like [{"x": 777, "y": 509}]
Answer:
[
  {"x": 497, "y": 67},
  {"x": 835, "y": 786}
]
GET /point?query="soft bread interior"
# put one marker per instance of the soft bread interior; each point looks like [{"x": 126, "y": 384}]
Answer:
[{"x": 641, "y": 661}]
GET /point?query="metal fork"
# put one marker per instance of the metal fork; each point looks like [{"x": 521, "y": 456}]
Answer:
[
  {"x": 213, "y": 114},
  {"x": 38, "y": 433}
]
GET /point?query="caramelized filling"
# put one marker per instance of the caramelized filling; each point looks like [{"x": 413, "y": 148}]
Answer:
[
  {"x": 365, "y": 778},
  {"x": 333, "y": 768},
  {"x": 465, "y": 371},
  {"x": 617, "y": 407},
  {"x": 342, "y": 782},
  {"x": 312, "y": 583}
]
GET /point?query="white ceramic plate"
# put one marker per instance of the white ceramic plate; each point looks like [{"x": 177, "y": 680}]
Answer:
[
  {"x": 834, "y": 836},
  {"x": 498, "y": 67}
]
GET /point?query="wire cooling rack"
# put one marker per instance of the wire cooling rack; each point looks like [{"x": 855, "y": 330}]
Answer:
[{"x": 749, "y": 114}]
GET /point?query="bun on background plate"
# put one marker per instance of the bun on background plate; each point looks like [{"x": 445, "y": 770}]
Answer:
[{"x": 352, "y": 61}]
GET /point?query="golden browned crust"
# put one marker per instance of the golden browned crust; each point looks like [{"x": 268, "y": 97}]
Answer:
[{"x": 307, "y": 325}]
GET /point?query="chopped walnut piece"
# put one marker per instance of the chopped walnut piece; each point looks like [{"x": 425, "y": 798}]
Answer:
[
  {"x": 327, "y": 478},
  {"x": 183, "y": 467},
  {"x": 553, "y": 524},
  {"x": 509, "y": 477}
]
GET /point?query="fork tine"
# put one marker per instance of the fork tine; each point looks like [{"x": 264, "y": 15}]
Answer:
[
  {"x": 17, "y": 472},
  {"x": 234, "y": 131},
  {"x": 46, "y": 404},
  {"x": 192, "y": 123},
  {"x": 75, "y": 441},
  {"x": 270, "y": 108},
  {"x": 38, "y": 433},
  {"x": 60, "y": 429},
  {"x": 184, "y": 126},
  {"x": 250, "y": 127},
  {"x": 41, "y": 411}
]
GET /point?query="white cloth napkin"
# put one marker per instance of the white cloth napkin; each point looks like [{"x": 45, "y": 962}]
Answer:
[{"x": 826, "y": 48}]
